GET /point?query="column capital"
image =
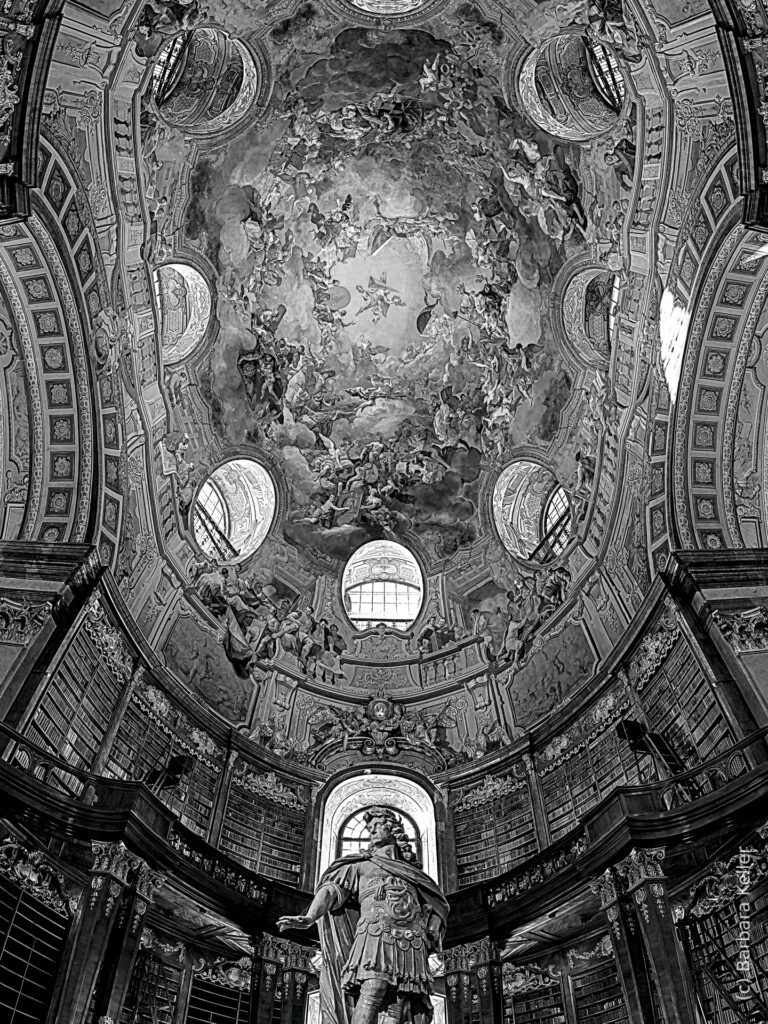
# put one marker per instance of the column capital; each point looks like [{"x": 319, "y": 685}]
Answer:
[
  {"x": 641, "y": 866},
  {"x": 605, "y": 887},
  {"x": 290, "y": 955},
  {"x": 111, "y": 859},
  {"x": 470, "y": 956}
]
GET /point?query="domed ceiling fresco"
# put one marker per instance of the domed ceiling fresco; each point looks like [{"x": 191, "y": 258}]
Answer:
[{"x": 412, "y": 286}]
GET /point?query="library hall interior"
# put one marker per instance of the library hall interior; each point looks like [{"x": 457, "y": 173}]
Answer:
[{"x": 384, "y": 512}]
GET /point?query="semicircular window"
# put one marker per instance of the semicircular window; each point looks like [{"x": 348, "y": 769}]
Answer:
[
  {"x": 532, "y": 512},
  {"x": 382, "y": 584},
  {"x": 355, "y": 839},
  {"x": 233, "y": 510},
  {"x": 185, "y": 309}
]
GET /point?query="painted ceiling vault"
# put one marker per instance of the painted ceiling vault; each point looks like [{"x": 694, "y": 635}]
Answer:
[{"x": 426, "y": 273}]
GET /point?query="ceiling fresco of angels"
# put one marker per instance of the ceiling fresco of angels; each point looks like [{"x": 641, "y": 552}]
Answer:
[{"x": 385, "y": 242}]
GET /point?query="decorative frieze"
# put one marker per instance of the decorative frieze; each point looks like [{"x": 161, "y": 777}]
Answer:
[
  {"x": 158, "y": 707},
  {"x": 32, "y": 872},
  {"x": 151, "y": 942},
  {"x": 600, "y": 717}
]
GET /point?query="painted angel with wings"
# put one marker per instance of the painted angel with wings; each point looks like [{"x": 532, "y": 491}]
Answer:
[{"x": 380, "y": 297}]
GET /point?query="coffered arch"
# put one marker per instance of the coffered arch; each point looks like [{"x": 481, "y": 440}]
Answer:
[{"x": 718, "y": 447}]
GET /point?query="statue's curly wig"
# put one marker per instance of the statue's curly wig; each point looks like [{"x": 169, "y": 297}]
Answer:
[{"x": 396, "y": 828}]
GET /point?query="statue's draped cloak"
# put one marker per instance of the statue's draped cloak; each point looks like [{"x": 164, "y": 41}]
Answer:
[{"x": 338, "y": 928}]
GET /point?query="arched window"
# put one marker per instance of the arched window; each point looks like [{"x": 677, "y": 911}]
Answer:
[
  {"x": 606, "y": 75},
  {"x": 354, "y": 837},
  {"x": 555, "y": 527},
  {"x": 212, "y": 522},
  {"x": 532, "y": 512},
  {"x": 382, "y": 583},
  {"x": 233, "y": 510},
  {"x": 168, "y": 66}
]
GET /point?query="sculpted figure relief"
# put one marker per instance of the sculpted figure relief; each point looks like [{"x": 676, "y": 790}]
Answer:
[{"x": 379, "y": 918}]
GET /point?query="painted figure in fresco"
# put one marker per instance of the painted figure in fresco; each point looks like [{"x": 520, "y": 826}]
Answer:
[{"x": 380, "y": 916}]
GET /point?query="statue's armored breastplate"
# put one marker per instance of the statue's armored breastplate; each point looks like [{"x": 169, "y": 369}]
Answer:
[{"x": 391, "y": 905}]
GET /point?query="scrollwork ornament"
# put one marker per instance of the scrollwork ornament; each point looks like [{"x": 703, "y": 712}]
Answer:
[
  {"x": 529, "y": 978},
  {"x": 270, "y": 787},
  {"x": 228, "y": 973},
  {"x": 604, "y": 948},
  {"x": 491, "y": 788},
  {"x": 32, "y": 872}
]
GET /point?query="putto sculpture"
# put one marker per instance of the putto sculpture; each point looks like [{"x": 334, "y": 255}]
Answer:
[{"x": 380, "y": 917}]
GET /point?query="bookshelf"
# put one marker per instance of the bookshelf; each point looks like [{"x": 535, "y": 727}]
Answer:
[
  {"x": 543, "y": 1006},
  {"x": 713, "y": 948},
  {"x": 30, "y": 953},
  {"x": 217, "y": 1004},
  {"x": 592, "y": 773},
  {"x": 682, "y": 706},
  {"x": 494, "y": 836},
  {"x": 598, "y": 994},
  {"x": 75, "y": 711},
  {"x": 263, "y": 835},
  {"x": 153, "y": 993}
]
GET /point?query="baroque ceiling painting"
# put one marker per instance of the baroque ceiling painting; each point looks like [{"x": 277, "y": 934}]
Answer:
[{"x": 412, "y": 245}]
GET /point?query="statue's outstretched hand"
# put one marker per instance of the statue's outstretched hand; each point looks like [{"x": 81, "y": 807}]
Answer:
[{"x": 300, "y": 921}]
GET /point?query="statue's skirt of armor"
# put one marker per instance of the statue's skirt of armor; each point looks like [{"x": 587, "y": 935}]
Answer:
[{"x": 390, "y": 943}]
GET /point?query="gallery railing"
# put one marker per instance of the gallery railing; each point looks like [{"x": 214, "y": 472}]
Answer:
[
  {"x": 104, "y": 794},
  {"x": 727, "y": 771}
]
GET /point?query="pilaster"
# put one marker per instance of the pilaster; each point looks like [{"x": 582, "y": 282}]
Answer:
[
  {"x": 108, "y": 935},
  {"x": 473, "y": 983}
]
